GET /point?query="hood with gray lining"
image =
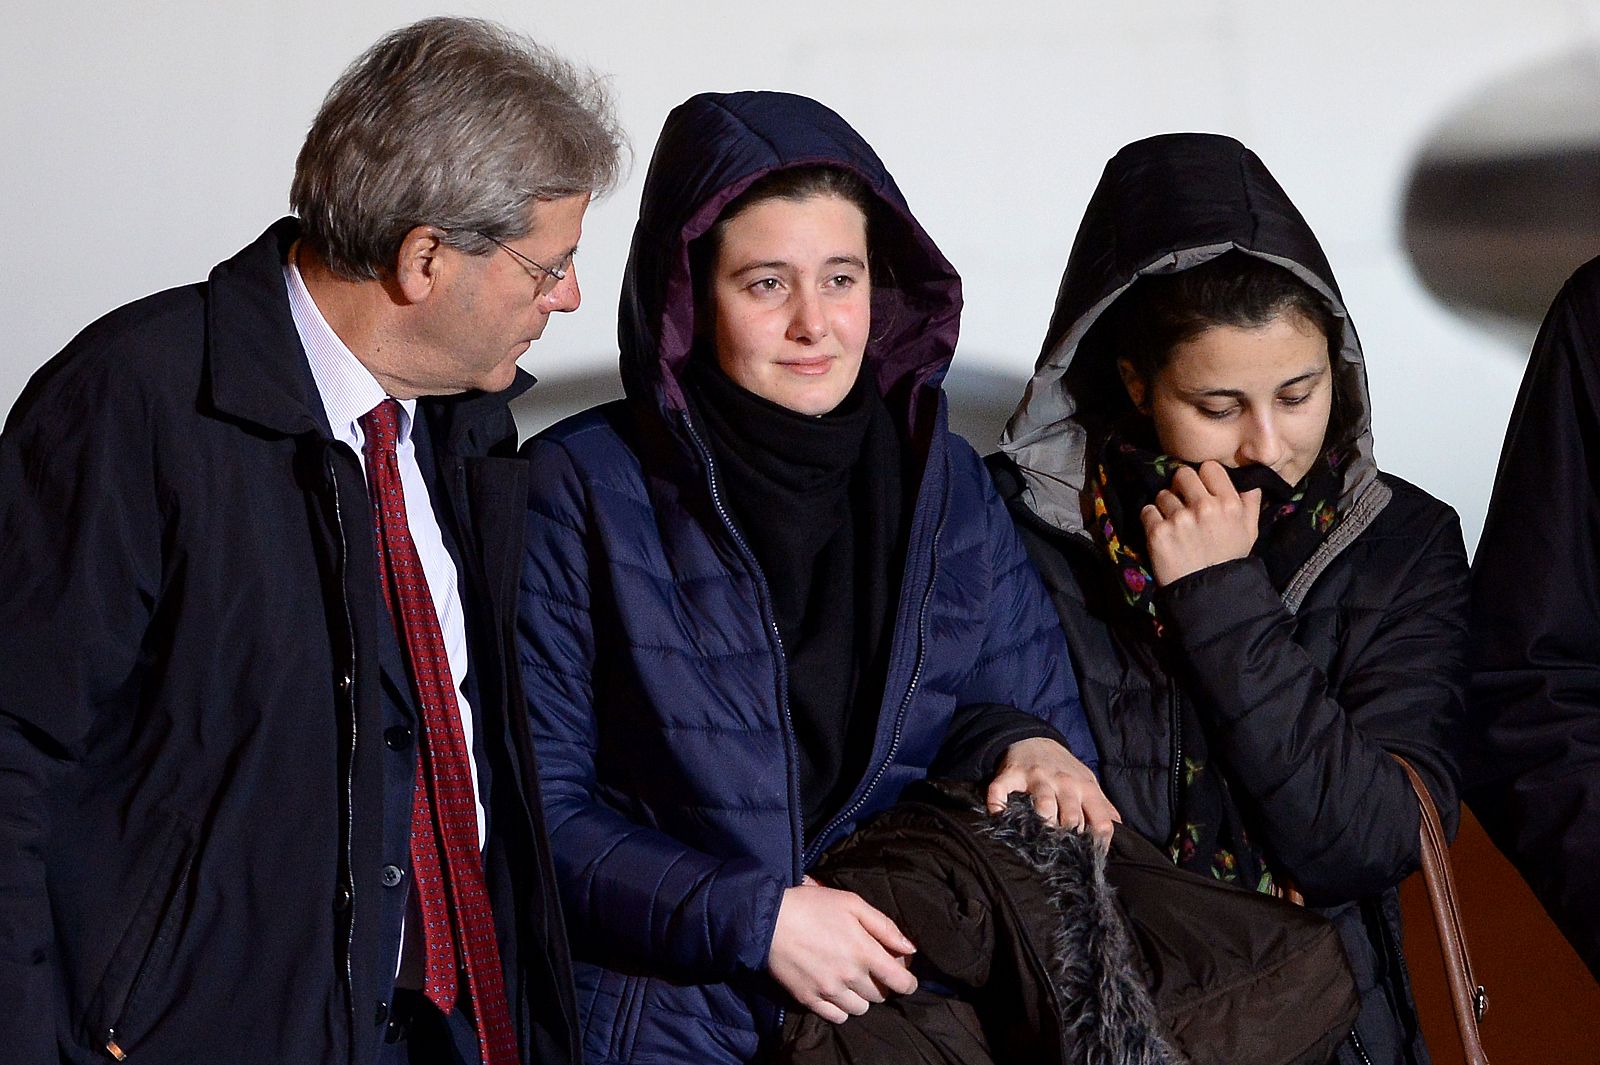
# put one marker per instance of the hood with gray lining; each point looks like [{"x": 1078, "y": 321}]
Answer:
[{"x": 1163, "y": 204}]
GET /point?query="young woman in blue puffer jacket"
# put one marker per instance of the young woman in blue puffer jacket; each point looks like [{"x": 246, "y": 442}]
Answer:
[{"x": 768, "y": 590}]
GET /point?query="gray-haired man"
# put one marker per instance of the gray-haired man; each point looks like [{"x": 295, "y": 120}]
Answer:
[{"x": 265, "y": 790}]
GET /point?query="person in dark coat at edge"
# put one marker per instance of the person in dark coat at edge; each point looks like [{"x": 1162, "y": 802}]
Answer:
[
  {"x": 768, "y": 590},
  {"x": 1534, "y": 781},
  {"x": 266, "y": 788},
  {"x": 1257, "y": 615}
]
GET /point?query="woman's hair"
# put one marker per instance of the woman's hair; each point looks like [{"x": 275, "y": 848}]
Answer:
[
  {"x": 796, "y": 183},
  {"x": 1162, "y": 311}
]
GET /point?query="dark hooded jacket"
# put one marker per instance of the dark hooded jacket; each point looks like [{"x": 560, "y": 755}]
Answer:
[
  {"x": 654, "y": 674},
  {"x": 1535, "y": 698},
  {"x": 1302, "y": 693}
]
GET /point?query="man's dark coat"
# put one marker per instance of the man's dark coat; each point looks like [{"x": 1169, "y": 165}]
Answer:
[{"x": 193, "y": 733}]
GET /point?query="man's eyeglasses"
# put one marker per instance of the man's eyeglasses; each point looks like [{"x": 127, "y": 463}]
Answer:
[{"x": 557, "y": 273}]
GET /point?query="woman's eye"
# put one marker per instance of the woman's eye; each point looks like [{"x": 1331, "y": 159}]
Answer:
[
  {"x": 842, "y": 280},
  {"x": 1294, "y": 401},
  {"x": 1215, "y": 414},
  {"x": 765, "y": 284}
]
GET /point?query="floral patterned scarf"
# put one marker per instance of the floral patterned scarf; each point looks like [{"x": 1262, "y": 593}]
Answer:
[
  {"x": 1129, "y": 471},
  {"x": 1211, "y": 837}
]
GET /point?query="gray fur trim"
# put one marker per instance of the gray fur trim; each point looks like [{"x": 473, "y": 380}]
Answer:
[{"x": 1102, "y": 994}]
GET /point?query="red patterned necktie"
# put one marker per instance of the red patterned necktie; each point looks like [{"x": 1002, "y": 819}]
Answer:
[{"x": 446, "y": 865}]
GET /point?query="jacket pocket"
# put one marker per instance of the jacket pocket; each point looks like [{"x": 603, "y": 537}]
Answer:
[
  {"x": 120, "y": 1004},
  {"x": 611, "y": 1004},
  {"x": 630, "y": 1011}
]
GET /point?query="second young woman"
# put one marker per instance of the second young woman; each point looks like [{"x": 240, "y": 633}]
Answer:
[
  {"x": 767, "y": 591},
  {"x": 1259, "y": 617}
]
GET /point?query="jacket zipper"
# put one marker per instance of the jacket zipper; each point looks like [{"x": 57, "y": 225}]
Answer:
[
  {"x": 1176, "y": 720},
  {"x": 764, "y": 596},
  {"x": 797, "y": 832},
  {"x": 113, "y": 1043},
  {"x": 350, "y": 771},
  {"x": 905, "y": 703},
  {"x": 1361, "y": 1051},
  {"x": 783, "y": 668}
]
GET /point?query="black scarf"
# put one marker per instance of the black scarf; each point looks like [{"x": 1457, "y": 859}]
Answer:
[
  {"x": 1211, "y": 837},
  {"x": 819, "y": 500}
]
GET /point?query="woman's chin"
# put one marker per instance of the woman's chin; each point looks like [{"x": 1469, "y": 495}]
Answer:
[{"x": 810, "y": 397}]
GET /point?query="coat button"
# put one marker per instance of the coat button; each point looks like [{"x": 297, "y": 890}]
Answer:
[
  {"x": 341, "y": 900},
  {"x": 383, "y": 1012},
  {"x": 392, "y": 875},
  {"x": 344, "y": 683},
  {"x": 397, "y": 737}
]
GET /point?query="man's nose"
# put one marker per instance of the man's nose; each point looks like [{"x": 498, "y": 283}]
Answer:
[{"x": 565, "y": 296}]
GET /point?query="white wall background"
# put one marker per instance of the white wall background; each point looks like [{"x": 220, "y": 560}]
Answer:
[{"x": 144, "y": 141}]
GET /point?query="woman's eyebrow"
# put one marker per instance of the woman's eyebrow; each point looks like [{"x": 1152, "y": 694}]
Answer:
[
  {"x": 1239, "y": 393},
  {"x": 1309, "y": 375},
  {"x": 764, "y": 264},
  {"x": 784, "y": 264}
]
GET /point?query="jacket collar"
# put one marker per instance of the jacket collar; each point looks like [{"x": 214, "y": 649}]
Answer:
[{"x": 256, "y": 369}]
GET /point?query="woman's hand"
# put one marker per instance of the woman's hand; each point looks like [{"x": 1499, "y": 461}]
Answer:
[
  {"x": 1198, "y": 522},
  {"x": 836, "y": 954},
  {"x": 1064, "y": 790}
]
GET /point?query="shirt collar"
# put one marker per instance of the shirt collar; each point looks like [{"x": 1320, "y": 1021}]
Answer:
[{"x": 347, "y": 388}]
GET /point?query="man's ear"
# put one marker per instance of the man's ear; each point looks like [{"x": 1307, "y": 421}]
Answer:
[
  {"x": 1133, "y": 383},
  {"x": 419, "y": 263}
]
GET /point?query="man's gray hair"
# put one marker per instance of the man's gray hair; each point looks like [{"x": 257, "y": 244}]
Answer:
[{"x": 454, "y": 123}]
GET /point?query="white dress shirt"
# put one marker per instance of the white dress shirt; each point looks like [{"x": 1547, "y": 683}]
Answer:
[{"x": 348, "y": 391}]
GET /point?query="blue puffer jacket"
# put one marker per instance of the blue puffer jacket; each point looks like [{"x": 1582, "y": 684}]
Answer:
[{"x": 654, "y": 674}]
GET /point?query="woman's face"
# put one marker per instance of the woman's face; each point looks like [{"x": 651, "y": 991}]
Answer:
[
  {"x": 1243, "y": 397},
  {"x": 792, "y": 301}
]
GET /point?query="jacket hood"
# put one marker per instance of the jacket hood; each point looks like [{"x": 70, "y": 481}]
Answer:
[
  {"x": 710, "y": 150},
  {"x": 1163, "y": 204}
]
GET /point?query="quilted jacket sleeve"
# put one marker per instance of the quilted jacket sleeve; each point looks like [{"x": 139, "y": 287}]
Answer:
[
  {"x": 1023, "y": 662},
  {"x": 78, "y": 579},
  {"x": 631, "y": 892},
  {"x": 1337, "y": 812},
  {"x": 1535, "y": 696}
]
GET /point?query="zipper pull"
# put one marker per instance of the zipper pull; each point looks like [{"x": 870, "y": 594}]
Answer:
[{"x": 113, "y": 1047}]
